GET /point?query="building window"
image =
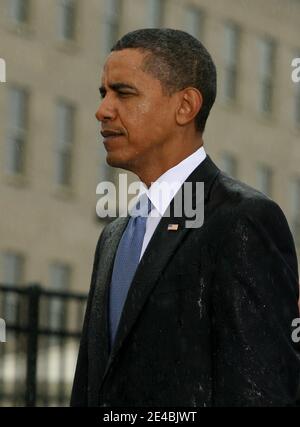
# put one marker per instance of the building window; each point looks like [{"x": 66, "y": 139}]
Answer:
[
  {"x": 156, "y": 13},
  {"x": 112, "y": 23},
  {"x": 194, "y": 21},
  {"x": 60, "y": 276},
  {"x": 296, "y": 87},
  {"x": 67, "y": 19},
  {"x": 17, "y": 130},
  {"x": 231, "y": 54},
  {"x": 266, "y": 75},
  {"x": 60, "y": 279},
  {"x": 19, "y": 10},
  {"x": 264, "y": 177},
  {"x": 65, "y": 142},
  {"x": 229, "y": 164},
  {"x": 12, "y": 274},
  {"x": 295, "y": 211}
]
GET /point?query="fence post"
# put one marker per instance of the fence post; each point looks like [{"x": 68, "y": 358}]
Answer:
[{"x": 34, "y": 292}]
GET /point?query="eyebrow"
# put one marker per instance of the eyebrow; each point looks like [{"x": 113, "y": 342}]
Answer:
[{"x": 117, "y": 86}]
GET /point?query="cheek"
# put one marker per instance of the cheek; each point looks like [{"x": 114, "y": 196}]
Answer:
[
  {"x": 152, "y": 114},
  {"x": 144, "y": 108},
  {"x": 141, "y": 117},
  {"x": 147, "y": 116}
]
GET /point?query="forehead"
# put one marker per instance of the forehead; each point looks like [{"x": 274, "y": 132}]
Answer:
[{"x": 124, "y": 64}]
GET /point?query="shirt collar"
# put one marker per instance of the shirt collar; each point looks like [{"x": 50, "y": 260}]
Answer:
[{"x": 162, "y": 191}]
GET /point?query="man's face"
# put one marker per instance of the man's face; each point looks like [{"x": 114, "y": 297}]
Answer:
[{"x": 137, "y": 118}]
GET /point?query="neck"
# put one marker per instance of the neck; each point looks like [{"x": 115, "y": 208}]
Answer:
[{"x": 157, "y": 166}]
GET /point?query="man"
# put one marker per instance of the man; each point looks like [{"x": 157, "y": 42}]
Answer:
[{"x": 204, "y": 318}]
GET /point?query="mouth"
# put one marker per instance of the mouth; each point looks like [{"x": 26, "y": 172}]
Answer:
[{"x": 111, "y": 134}]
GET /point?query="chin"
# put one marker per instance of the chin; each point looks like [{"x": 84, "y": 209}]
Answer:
[{"x": 117, "y": 162}]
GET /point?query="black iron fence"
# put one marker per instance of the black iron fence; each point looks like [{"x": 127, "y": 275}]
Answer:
[{"x": 38, "y": 357}]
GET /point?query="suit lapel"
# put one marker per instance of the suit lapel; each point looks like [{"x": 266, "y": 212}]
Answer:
[
  {"x": 154, "y": 259},
  {"x": 98, "y": 329}
]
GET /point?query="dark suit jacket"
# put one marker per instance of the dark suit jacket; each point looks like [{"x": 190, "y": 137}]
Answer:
[{"x": 207, "y": 320}]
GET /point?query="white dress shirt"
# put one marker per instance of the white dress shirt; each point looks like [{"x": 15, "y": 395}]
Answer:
[{"x": 172, "y": 179}]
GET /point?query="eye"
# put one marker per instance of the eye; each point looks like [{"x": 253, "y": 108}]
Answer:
[{"x": 124, "y": 93}]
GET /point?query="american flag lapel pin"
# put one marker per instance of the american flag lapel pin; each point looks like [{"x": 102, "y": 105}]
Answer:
[{"x": 172, "y": 227}]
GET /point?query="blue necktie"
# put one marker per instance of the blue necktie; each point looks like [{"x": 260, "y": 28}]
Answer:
[{"x": 126, "y": 262}]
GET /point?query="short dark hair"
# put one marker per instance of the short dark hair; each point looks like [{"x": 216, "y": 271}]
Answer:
[{"x": 178, "y": 60}]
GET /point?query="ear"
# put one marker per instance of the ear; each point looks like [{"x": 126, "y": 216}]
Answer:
[{"x": 191, "y": 101}]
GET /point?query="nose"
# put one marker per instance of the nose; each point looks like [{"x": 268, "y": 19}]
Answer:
[{"x": 106, "y": 110}]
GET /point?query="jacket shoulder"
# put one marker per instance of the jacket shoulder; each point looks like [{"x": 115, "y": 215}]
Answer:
[
  {"x": 242, "y": 198},
  {"x": 234, "y": 202}
]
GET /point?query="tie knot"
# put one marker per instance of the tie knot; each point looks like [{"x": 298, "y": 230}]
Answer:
[{"x": 142, "y": 207}]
